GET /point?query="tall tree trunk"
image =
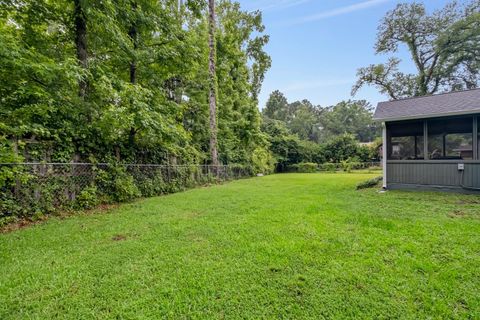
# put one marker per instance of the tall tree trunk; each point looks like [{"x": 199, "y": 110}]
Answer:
[
  {"x": 212, "y": 82},
  {"x": 81, "y": 43},
  {"x": 133, "y": 34}
]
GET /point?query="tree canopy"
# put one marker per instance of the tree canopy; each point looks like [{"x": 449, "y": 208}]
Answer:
[
  {"x": 85, "y": 80},
  {"x": 442, "y": 46}
]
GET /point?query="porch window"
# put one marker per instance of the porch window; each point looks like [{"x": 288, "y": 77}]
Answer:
[
  {"x": 450, "y": 139},
  {"x": 405, "y": 141}
]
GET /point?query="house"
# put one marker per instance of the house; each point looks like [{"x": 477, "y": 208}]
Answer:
[{"x": 432, "y": 142}]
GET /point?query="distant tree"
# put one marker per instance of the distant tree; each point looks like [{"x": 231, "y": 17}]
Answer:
[
  {"x": 304, "y": 120},
  {"x": 350, "y": 117},
  {"x": 440, "y": 66},
  {"x": 344, "y": 147},
  {"x": 277, "y": 106}
]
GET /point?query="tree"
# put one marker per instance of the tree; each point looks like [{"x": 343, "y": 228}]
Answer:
[
  {"x": 350, "y": 117},
  {"x": 460, "y": 51},
  {"x": 126, "y": 80},
  {"x": 277, "y": 106},
  {"x": 410, "y": 25},
  {"x": 344, "y": 147},
  {"x": 212, "y": 82},
  {"x": 81, "y": 42}
]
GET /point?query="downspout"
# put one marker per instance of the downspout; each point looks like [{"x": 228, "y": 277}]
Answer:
[
  {"x": 462, "y": 183},
  {"x": 384, "y": 154}
]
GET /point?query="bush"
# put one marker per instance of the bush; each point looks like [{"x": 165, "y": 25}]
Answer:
[
  {"x": 87, "y": 199},
  {"x": 344, "y": 147},
  {"x": 329, "y": 167},
  {"x": 351, "y": 163},
  {"x": 116, "y": 185},
  {"x": 262, "y": 161},
  {"x": 369, "y": 183},
  {"x": 304, "y": 167}
]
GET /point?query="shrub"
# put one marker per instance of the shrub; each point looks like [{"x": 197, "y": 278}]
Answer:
[
  {"x": 329, "y": 167},
  {"x": 87, "y": 199},
  {"x": 344, "y": 147},
  {"x": 346, "y": 165},
  {"x": 304, "y": 167},
  {"x": 369, "y": 183},
  {"x": 116, "y": 185},
  {"x": 262, "y": 161}
]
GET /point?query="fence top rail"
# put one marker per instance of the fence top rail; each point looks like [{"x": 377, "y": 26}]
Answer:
[
  {"x": 106, "y": 164},
  {"x": 150, "y": 165}
]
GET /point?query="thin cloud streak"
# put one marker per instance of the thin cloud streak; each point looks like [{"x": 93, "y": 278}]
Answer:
[{"x": 339, "y": 11}]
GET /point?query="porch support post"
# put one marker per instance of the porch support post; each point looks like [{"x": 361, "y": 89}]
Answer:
[
  {"x": 425, "y": 140},
  {"x": 384, "y": 154},
  {"x": 476, "y": 156}
]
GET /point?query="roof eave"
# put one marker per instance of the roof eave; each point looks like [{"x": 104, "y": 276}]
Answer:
[{"x": 427, "y": 116}]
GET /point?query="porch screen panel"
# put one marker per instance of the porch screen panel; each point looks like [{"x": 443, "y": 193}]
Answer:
[
  {"x": 405, "y": 140},
  {"x": 450, "y": 139}
]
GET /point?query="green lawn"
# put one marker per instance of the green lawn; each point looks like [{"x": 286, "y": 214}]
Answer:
[{"x": 282, "y": 246}]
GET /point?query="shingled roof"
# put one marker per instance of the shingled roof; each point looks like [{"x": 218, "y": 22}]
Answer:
[{"x": 454, "y": 103}]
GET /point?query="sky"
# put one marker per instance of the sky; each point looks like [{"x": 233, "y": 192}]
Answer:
[{"x": 317, "y": 46}]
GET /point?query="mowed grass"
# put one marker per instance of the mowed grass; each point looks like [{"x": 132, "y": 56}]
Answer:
[{"x": 293, "y": 246}]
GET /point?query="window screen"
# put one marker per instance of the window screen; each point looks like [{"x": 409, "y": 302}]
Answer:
[
  {"x": 405, "y": 140},
  {"x": 450, "y": 139}
]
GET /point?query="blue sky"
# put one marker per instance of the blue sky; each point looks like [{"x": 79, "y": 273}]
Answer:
[{"x": 317, "y": 46}]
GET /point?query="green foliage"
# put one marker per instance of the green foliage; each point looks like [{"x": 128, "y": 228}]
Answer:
[
  {"x": 350, "y": 117},
  {"x": 370, "y": 183},
  {"x": 301, "y": 132},
  {"x": 343, "y": 148},
  {"x": 262, "y": 161},
  {"x": 347, "y": 165},
  {"x": 317, "y": 124},
  {"x": 116, "y": 184},
  {"x": 87, "y": 199},
  {"x": 146, "y": 76},
  {"x": 54, "y": 188},
  {"x": 441, "y": 45},
  {"x": 329, "y": 167},
  {"x": 304, "y": 167}
]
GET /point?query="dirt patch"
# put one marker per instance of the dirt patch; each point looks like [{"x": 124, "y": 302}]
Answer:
[
  {"x": 274, "y": 269},
  {"x": 119, "y": 237},
  {"x": 19, "y": 224},
  {"x": 468, "y": 201},
  {"x": 457, "y": 214},
  {"x": 22, "y": 223}
]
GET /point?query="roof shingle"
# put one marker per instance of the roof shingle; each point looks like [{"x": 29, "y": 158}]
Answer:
[{"x": 460, "y": 102}]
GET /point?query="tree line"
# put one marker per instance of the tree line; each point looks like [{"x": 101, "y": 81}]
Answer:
[
  {"x": 444, "y": 47},
  {"x": 301, "y": 132},
  {"x": 173, "y": 81},
  {"x": 131, "y": 81}
]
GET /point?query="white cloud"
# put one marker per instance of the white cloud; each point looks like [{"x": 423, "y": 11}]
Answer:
[{"x": 339, "y": 11}]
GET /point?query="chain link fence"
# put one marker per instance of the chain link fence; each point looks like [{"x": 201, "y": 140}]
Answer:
[{"x": 29, "y": 189}]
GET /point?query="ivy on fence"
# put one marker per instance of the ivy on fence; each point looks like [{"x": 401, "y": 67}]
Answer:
[{"x": 30, "y": 190}]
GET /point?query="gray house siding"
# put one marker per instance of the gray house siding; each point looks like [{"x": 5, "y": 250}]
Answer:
[{"x": 433, "y": 175}]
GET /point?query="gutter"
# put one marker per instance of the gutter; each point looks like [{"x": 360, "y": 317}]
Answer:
[{"x": 428, "y": 116}]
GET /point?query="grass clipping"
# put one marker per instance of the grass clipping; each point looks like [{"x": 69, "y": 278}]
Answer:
[{"x": 371, "y": 183}]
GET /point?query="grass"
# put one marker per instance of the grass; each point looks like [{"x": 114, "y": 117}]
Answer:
[{"x": 282, "y": 246}]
